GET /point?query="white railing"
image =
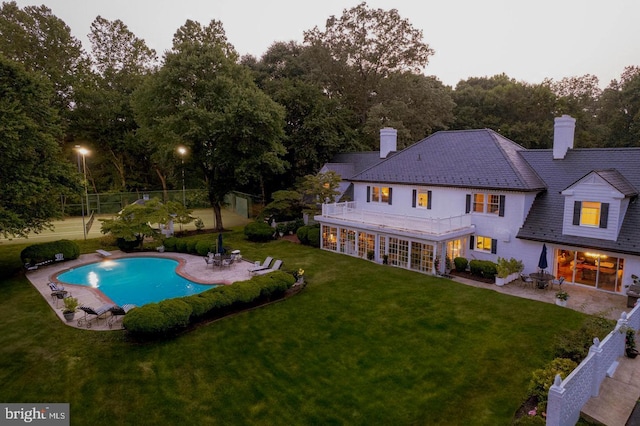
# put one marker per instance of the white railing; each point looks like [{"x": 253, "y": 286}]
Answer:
[
  {"x": 348, "y": 211},
  {"x": 568, "y": 396}
]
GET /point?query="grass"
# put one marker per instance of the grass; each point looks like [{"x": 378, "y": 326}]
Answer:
[{"x": 362, "y": 344}]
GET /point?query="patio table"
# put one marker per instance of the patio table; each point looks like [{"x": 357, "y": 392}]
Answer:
[{"x": 542, "y": 279}]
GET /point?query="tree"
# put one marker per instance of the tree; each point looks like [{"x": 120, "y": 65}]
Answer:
[
  {"x": 203, "y": 99},
  {"x": 103, "y": 114},
  {"x": 620, "y": 109},
  {"x": 32, "y": 170},
  {"x": 319, "y": 188},
  {"x": 134, "y": 222},
  {"x": 43, "y": 43},
  {"x": 361, "y": 48}
]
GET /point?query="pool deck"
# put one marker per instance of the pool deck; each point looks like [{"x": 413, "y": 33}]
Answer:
[{"x": 191, "y": 267}]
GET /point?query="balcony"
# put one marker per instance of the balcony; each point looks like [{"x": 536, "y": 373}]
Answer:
[{"x": 342, "y": 213}]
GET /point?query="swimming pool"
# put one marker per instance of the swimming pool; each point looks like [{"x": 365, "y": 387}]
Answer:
[{"x": 137, "y": 280}]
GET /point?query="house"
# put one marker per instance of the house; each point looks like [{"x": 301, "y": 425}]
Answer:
[{"x": 477, "y": 194}]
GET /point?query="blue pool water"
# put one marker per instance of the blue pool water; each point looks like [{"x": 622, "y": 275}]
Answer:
[{"x": 137, "y": 280}]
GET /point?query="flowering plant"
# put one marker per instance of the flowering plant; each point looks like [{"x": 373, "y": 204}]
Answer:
[
  {"x": 562, "y": 295},
  {"x": 300, "y": 272}
]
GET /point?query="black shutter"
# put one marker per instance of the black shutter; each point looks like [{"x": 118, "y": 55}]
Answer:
[
  {"x": 413, "y": 202},
  {"x": 577, "y": 207},
  {"x": 390, "y": 192},
  {"x": 604, "y": 215},
  {"x": 468, "y": 207},
  {"x": 471, "y": 242},
  {"x": 501, "y": 206},
  {"x": 429, "y": 200},
  {"x": 368, "y": 194},
  {"x": 494, "y": 246}
]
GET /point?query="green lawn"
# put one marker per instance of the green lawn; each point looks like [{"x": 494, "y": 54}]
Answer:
[{"x": 363, "y": 344}]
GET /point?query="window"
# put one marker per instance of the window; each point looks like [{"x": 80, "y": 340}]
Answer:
[
  {"x": 485, "y": 203},
  {"x": 421, "y": 199},
  {"x": 478, "y": 203},
  {"x": 329, "y": 240},
  {"x": 379, "y": 194},
  {"x": 482, "y": 243},
  {"x": 590, "y": 213}
]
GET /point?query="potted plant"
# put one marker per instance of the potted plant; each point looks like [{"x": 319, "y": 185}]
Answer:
[
  {"x": 561, "y": 298},
  {"x": 70, "y": 307},
  {"x": 630, "y": 343},
  {"x": 300, "y": 275}
]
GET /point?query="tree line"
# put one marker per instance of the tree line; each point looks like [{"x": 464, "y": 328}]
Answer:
[{"x": 250, "y": 124}]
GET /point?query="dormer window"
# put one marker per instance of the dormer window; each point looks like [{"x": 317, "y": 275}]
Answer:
[{"x": 590, "y": 213}]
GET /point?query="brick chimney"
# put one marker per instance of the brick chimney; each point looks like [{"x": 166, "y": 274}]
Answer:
[
  {"x": 563, "y": 130},
  {"x": 388, "y": 141}
]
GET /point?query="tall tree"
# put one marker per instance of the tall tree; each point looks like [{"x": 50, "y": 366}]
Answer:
[
  {"x": 355, "y": 52},
  {"x": 32, "y": 171},
  {"x": 520, "y": 111},
  {"x": 103, "y": 114},
  {"x": 620, "y": 109},
  {"x": 202, "y": 98},
  {"x": 43, "y": 43}
]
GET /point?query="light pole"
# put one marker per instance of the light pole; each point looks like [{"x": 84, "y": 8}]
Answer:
[
  {"x": 182, "y": 151},
  {"x": 83, "y": 151}
]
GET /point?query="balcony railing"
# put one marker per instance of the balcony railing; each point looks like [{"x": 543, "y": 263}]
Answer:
[{"x": 349, "y": 211}]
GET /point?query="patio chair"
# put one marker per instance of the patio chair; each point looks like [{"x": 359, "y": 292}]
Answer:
[
  {"x": 55, "y": 286},
  {"x": 526, "y": 280},
  {"x": 276, "y": 265},
  {"x": 96, "y": 314},
  {"x": 558, "y": 282},
  {"x": 264, "y": 265},
  {"x": 227, "y": 262},
  {"x": 118, "y": 311}
]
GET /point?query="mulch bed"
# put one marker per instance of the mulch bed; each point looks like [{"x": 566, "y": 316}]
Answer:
[{"x": 470, "y": 276}]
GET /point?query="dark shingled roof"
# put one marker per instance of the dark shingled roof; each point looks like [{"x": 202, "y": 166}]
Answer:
[
  {"x": 356, "y": 161},
  {"x": 467, "y": 158},
  {"x": 619, "y": 166}
]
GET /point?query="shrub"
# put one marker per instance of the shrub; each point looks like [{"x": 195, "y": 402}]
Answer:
[
  {"x": 461, "y": 263},
  {"x": 191, "y": 246},
  {"x": 181, "y": 246},
  {"x": 302, "y": 234},
  {"x": 483, "y": 268},
  {"x": 44, "y": 252},
  {"x": 170, "y": 244},
  {"x": 127, "y": 246},
  {"x": 203, "y": 247},
  {"x": 314, "y": 236},
  {"x": 258, "y": 232},
  {"x": 542, "y": 379},
  {"x": 575, "y": 344}
]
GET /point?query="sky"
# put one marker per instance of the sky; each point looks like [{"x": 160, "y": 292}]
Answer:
[{"x": 525, "y": 39}]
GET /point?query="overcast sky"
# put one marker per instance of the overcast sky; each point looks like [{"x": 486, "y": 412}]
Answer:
[{"x": 527, "y": 40}]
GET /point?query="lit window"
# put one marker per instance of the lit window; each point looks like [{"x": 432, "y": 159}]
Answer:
[
  {"x": 478, "y": 203},
  {"x": 590, "y": 214},
  {"x": 423, "y": 199},
  {"x": 483, "y": 243},
  {"x": 380, "y": 194}
]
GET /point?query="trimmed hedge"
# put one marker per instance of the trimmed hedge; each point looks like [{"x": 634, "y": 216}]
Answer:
[
  {"x": 461, "y": 263},
  {"x": 46, "y": 252},
  {"x": 303, "y": 234},
  {"x": 171, "y": 315},
  {"x": 483, "y": 268},
  {"x": 314, "y": 236},
  {"x": 258, "y": 232}
]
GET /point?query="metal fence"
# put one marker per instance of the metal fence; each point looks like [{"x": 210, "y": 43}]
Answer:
[{"x": 113, "y": 202}]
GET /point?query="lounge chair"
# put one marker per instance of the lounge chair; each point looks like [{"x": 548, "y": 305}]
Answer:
[
  {"x": 59, "y": 257},
  {"x": 97, "y": 313},
  {"x": 264, "y": 265},
  {"x": 117, "y": 311},
  {"x": 55, "y": 286},
  {"x": 276, "y": 265}
]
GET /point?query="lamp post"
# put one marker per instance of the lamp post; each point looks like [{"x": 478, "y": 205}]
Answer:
[
  {"x": 83, "y": 151},
  {"x": 182, "y": 151}
]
